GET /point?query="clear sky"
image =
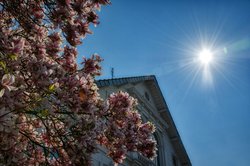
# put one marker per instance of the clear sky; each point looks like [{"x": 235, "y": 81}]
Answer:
[{"x": 210, "y": 103}]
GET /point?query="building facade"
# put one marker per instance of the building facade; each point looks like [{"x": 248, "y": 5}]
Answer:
[{"x": 152, "y": 107}]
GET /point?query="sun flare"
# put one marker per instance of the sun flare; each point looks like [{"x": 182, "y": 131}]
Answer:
[{"x": 206, "y": 56}]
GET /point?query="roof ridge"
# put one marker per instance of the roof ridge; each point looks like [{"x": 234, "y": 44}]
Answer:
[
  {"x": 126, "y": 77},
  {"x": 123, "y": 80}
]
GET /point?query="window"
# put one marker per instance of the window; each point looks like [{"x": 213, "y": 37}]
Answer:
[
  {"x": 174, "y": 159},
  {"x": 157, "y": 160},
  {"x": 147, "y": 96}
]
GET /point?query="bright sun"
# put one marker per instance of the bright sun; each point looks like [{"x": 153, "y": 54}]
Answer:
[{"x": 205, "y": 56}]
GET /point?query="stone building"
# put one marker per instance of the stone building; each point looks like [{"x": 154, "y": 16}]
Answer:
[{"x": 152, "y": 107}]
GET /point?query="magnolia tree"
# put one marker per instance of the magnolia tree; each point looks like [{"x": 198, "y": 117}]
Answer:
[{"x": 50, "y": 110}]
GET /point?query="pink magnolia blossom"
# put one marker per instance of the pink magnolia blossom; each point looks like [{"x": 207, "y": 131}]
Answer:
[
  {"x": 125, "y": 128},
  {"x": 7, "y": 81},
  {"x": 50, "y": 110}
]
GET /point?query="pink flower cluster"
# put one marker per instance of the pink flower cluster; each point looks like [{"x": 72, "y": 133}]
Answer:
[
  {"x": 50, "y": 110},
  {"x": 125, "y": 130}
]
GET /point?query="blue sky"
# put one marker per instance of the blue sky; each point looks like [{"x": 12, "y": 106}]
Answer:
[{"x": 210, "y": 105}]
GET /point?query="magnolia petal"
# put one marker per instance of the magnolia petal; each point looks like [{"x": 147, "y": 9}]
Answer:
[
  {"x": 11, "y": 88},
  {"x": 12, "y": 79},
  {"x": 8, "y": 79},
  {"x": 5, "y": 79}
]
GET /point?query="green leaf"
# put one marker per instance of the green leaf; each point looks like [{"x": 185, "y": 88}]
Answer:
[
  {"x": 3, "y": 64},
  {"x": 2, "y": 92},
  {"x": 52, "y": 88},
  {"x": 13, "y": 57},
  {"x": 45, "y": 112}
]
